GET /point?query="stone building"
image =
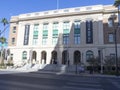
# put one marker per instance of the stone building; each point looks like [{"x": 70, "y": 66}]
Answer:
[{"x": 63, "y": 36}]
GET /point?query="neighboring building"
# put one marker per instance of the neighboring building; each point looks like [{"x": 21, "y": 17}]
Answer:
[{"x": 65, "y": 35}]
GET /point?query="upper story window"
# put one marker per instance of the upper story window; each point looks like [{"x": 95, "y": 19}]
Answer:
[
  {"x": 77, "y": 32},
  {"x": 66, "y": 10},
  {"x": 111, "y": 37},
  {"x": 45, "y": 26},
  {"x": 45, "y": 29},
  {"x": 13, "y": 40},
  {"x": 35, "y": 31},
  {"x": 66, "y": 25},
  {"x": 77, "y": 9},
  {"x": 89, "y": 32},
  {"x": 45, "y": 34},
  {"x": 77, "y": 24},
  {"x": 14, "y": 29},
  {"x": 55, "y": 29},
  {"x": 35, "y": 34},
  {"x": 66, "y": 30},
  {"x": 26, "y": 34},
  {"x": 55, "y": 25},
  {"x": 110, "y": 23}
]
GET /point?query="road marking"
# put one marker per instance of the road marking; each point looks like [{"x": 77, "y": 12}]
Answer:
[
  {"x": 36, "y": 76},
  {"x": 116, "y": 84},
  {"x": 30, "y": 85},
  {"x": 78, "y": 84},
  {"x": 93, "y": 82}
]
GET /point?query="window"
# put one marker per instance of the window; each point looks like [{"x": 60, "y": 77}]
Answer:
[
  {"x": 89, "y": 54},
  {"x": 66, "y": 25},
  {"x": 77, "y": 38},
  {"x": 35, "y": 34},
  {"x": 13, "y": 40},
  {"x": 26, "y": 34},
  {"x": 55, "y": 25},
  {"x": 24, "y": 55},
  {"x": 54, "y": 40},
  {"x": 65, "y": 39},
  {"x": 66, "y": 10},
  {"x": 110, "y": 23},
  {"x": 11, "y": 56},
  {"x": 66, "y": 31},
  {"x": 89, "y": 32},
  {"x": 77, "y": 24},
  {"x": 44, "y": 41},
  {"x": 77, "y": 32},
  {"x": 45, "y": 34},
  {"x": 14, "y": 29},
  {"x": 55, "y": 33},
  {"x": 112, "y": 56},
  {"x": 45, "y": 26},
  {"x": 111, "y": 37}
]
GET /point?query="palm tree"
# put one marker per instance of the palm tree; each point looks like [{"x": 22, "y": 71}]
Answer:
[
  {"x": 3, "y": 39},
  {"x": 4, "y": 21},
  {"x": 117, "y": 3}
]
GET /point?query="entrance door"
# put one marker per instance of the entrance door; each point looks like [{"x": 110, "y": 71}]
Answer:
[{"x": 77, "y": 57}]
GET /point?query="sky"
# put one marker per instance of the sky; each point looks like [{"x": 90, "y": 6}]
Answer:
[{"x": 10, "y": 8}]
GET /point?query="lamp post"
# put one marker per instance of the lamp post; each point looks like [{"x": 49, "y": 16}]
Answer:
[{"x": 113, "y": 18}]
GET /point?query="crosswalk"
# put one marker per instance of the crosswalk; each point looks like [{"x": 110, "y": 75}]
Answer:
[
  {"x": 83, "y": 84},
  {"x": 16, "y": 85},
  {"x": 115, "y": 83},
  {"x": 53, "y": 82}
]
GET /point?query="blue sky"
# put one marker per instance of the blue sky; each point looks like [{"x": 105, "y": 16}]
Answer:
[{"x": 10, "y": 8}]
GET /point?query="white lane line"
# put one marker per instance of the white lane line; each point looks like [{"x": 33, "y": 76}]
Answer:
[
  {"x": 84, "y": 84},
  {"x": 91, "y": 82}
]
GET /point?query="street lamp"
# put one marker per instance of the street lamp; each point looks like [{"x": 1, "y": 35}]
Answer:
[{"x": 115, "y": 27}]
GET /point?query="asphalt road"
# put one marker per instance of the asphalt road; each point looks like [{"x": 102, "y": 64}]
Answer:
[{"x": 42, "y": 81}]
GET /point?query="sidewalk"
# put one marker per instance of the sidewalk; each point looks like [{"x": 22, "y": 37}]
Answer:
[{"x": 10, "y": 71}]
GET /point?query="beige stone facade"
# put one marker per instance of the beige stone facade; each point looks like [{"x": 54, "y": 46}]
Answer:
[{"x": 43, "y": 54}]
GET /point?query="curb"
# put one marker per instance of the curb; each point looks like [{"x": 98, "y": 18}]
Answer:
[{"x": 10, "y": 71}]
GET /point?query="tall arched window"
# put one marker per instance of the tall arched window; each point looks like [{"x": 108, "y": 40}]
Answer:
[
  {"x": 24, "y": 55},
  {"x": 64, "y": 57},
  {"x": 34, "y": 55},
  {"x": 89, "y": 54},
  {"x": 54, "y": 57},
  {"x": 77, "y": 57},
  {"x": 43, "y": 57}
]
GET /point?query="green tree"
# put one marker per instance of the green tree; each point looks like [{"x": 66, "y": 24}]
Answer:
[
  {"x": 109, "y": 65},
  {"x": 117, "y": 3},
  {"x": 94, "y": 63},
  {"x": 4, "y": 21},
  {"x": 3, "y": 40}
]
